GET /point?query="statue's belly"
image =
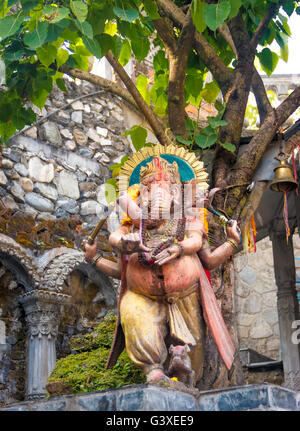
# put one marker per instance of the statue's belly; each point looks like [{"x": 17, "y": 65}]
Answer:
[{"x": 175, "y": 276}]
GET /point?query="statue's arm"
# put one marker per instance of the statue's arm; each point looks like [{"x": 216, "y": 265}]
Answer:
[
  {"x": 212, "y": 259},
  {"x": 113, "y": 269}
]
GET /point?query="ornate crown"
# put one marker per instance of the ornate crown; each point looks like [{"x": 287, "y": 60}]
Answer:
[{"x": 159, "y": 165}]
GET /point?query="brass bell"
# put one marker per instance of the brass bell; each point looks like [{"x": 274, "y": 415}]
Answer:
[{"x": 283, "y": 180}]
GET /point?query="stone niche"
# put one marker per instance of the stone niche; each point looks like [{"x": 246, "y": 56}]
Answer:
[
  {"x": 12, "y": 340},
  {"x": 91, "y": 298}
]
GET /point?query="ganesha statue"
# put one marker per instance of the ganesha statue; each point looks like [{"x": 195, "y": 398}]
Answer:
[{"x": 166, "y": 301}]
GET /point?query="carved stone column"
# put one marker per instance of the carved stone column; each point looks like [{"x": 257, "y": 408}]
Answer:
[
  {"x": 284, "y": 267},
  {"x": 42, "y": 310}
]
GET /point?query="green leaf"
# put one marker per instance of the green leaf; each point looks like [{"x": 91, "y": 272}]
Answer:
[
  {"x": 93, "y": 46},
  {"x": 215, "y": 122},
  {"x": 228, "y": 146},
  {"x": 198, "y": 15},
  {"x": 129, "y": 15},
  {"x": 268, "y": 60},
  {"x": 210, "y": 92},
  {"x": 56, "y": 13},
  {"x": 7, "y": 130},
  {"x": 151, "y": 8},
  {"x": 39, "y": 98},
  {"x": 288, "y": 6},
  {"x": 184, "y": 141},
  {"x": 206, "y": 141},
  {"x": 284, "y": 54},
  {"x": 110, "y": 190},
  {"x": 85, "y": 28},
  {"x": 27, "y": 5},
  {"x": 37, "y": 37},
  {"x": 62, "y": 57},
  {"x": 80, "y": 9},
  {"x": 106, "y": 42},
  {"x": 125, "y": 53},
  {"x": 142, "y": 86},
  {"x": 297, "y": 10},
  {"x": 55, "y": 30},
  {"x": 160, "y": 63},
  {"x": 10, "y": 25},
  {"x": 46, "y": 54},
  {"x": 140, "y": 47},
  {"x": 138, "y": 136},
  {"x": 215, "y": 14},
  {"x": 235, "y": 7},
  {"x": 61, "y": 85}
]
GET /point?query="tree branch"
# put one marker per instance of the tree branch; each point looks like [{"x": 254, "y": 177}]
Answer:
[
  {"x": 106, "y": 84},
  {"x": 249, "y": 160},
  {"x": 178, "y": 52},
  {"x": 264, "y": 24},
  {"x": 263, "y": 104},
  {"x": 155, "y": 124},
  {"x": 206, "y": 52}
]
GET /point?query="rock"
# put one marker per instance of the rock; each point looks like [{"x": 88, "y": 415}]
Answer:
[
  {"x": 70, "y": 145},
  {"x": 117, "y": 116},
  {"x": 50, "y": 132},
  {"x": 14, "y": 155},
  {"x": 66, "y": 133},
  {"x": 77, "y": 117},
  {"x": 90, "y": 207},
  {"x": 87, "y": 109},
  {"x": 64, "y": 114},
  {"x": 9, "y": 202},
  {"x": 17, "y": 191},
  {"x": 253, "y": 304},
  {"x": 77, "y": 106},
  {"x": 101, "y": 194},
  {"x": 26, "y": 184},
  {"x": 101, "y": 131},
  {"x": 46, "y": 217},
  {"x": 39, "y": 171},
  {"x": 105, "y": 142},
  {"x": 86, "y": 152},
  {"x": 248, "y": 275},
  {"x": 20, "y": 168},
  {"x": 46, "y": 190},
  {"x": 6, "y": 164},
  {"x": 68, "y": 185},
  {"x": 93, "y": 135},
  {"x": 80, "y": 137},
  {"x": 32, "y": 132},
  {"x": 67, "y": 204},
  {"x": 242, "y": 290},
  {"x": 96, "y": 107},
  {"x": 13, "y": 175},
  {"x": 260, "y": 329},
  {"x": 3, "y": 179},
  {"x": 38, "y": 202},
  {"x": 244, "y": 319},
  {"x": 30, "y": 211}
]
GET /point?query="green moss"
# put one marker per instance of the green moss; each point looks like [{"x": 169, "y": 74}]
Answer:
[{"x": 85, "y": 371}]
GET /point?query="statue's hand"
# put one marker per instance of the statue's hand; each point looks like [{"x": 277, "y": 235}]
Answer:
[
  {"x": 90, "y": 250},
  {"x": 233, "y": 232},
  {"x": 131, "y": 243},
  {"x": 168, "y": 254}
]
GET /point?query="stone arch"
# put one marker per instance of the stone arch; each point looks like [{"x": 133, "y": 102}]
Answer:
[{"x": 18, "y": 260}]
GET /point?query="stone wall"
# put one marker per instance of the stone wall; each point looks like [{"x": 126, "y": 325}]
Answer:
[{"x": 256, "y": 298}]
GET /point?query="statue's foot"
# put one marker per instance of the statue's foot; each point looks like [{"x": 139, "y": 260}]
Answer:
[{"x": 155, "y": 374}]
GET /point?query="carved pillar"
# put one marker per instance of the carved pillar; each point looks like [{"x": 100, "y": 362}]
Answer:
[
  {"x": 284, "y": 267},
  {"x": 42, "y": 310}
]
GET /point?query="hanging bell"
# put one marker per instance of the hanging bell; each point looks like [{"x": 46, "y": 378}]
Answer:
[{"x": 283, "y": 180}]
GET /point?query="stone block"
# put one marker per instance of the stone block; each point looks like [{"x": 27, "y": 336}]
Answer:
[
  {"x": 40, "y": 171},
  {"x": 90, "y": 207},
  {"x": 49, "y": 131},
  {"x": 80, "y": 137},
  {"x": 3, "y": 179},
  {"x": 98, "y": 401},
  {"x": 77, "y": 117},
  {"x": 70, "y": 145},
  {"x": 17, "y": 191},
  {"x": 102, "y": 131},
  {"x": 38, "y": 202},
  {"x": 77, "y": 106},
  {"x": 260, "y": 329},
  {"x": 2, "y": 332},
  {"x": 26, "y": 184},
  {"x": 67, "y": 204},
  {"x": 131, "y": 400},
  {"x": 47, "y": 190},
  {"x": 253, "y": 304},
  {"x": 66, "y": 133},
  {"x": 248, "y": 275},
  {"x": 21, "y": 169},
  {"x": 50, "y": 406},
  {"x": 67, "y": 185},
  {"x": 9, "y": 202},
  {"x": 282, "y": 398}
]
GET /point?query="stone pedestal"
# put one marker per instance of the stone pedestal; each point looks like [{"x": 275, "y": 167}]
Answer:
[
  {"x": 42, "y": 309},
  {"x": 284, "y": 267}
]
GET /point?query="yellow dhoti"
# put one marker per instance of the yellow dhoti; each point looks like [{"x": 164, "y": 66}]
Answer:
[{"x": 151, "y": 325}]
